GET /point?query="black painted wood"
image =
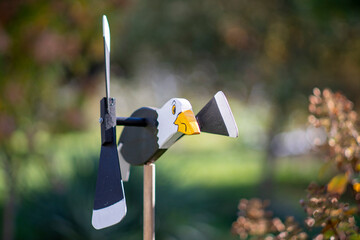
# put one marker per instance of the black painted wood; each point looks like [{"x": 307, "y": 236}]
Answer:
[
  {"x": 210, "y": 120},
  {"x": 108, "y": 185},
  {"x": 131, "y": 121},
  {"x": 139, "y": 144},
  {"x": 107, "y": 120}
]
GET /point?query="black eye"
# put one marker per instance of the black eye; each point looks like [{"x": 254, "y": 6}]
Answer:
[{"x": 173, "y": 109}]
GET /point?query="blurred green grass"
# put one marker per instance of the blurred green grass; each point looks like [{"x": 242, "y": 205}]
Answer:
[
  {"x": 210, "y": 161},
  {"x": 199, "y": 182}
]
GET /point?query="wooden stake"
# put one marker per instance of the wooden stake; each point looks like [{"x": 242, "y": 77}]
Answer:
[{"x": 149, "y": 201}]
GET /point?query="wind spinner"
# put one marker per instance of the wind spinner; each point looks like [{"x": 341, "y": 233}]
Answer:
[{"x": 147, "y": 134}]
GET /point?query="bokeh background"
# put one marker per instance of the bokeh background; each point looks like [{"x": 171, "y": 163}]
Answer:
[{"x": 266, "y": 55}]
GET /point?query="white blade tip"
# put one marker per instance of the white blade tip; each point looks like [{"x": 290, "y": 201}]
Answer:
[
  {"x": 109, "y": 216},
  {"x": 226, "y": 114},
  {"x": 106, "y": 31}
]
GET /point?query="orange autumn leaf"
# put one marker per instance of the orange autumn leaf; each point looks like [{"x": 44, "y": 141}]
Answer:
[
  {"x": 337, "y": 184},
  {"x": 356, "y": 187}
]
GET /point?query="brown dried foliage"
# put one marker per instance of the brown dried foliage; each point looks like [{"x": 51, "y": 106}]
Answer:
[
  {"x": 334, "y": 113},
  {"x": 257, "y": 223},
  {"x": 325, "y": 210}
]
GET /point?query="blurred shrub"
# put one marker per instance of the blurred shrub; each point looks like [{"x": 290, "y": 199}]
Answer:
[
  {"x": 323, "y": 205},
  {"x": 258, "y": 223}
]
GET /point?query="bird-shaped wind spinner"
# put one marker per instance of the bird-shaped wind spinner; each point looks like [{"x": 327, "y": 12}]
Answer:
[{"x": 147, "y": 134}]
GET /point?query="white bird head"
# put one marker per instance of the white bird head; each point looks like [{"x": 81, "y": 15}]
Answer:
[{"x": 175, "y": 118}]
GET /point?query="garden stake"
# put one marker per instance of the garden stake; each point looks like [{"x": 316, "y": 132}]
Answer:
[{"x": 149, "y": 201}]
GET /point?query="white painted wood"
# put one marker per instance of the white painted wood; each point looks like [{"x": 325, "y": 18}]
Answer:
[
  {"x": 106, "y": 31},
  {"x": 168, "y": 133},
  {"x": 124, "y": 166},
  {"x": 110, "y": 215},
  {"x": 226, "y": 114}
]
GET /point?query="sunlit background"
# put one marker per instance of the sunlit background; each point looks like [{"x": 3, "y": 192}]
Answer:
[{"x": 265, "y": 55}]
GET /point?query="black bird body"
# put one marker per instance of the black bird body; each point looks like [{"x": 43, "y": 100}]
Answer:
[{"x": 139, "y": 145}]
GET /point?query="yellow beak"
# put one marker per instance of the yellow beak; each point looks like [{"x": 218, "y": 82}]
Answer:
[{"x": 187, "y": 123}]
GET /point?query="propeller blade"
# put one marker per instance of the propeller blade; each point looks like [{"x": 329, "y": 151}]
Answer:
[
  {"x": 109, "y": 202},
  {"x": 216, "y": 117}
]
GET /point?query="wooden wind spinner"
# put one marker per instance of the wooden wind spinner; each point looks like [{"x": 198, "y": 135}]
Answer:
[{"x": 147, "y": 134}]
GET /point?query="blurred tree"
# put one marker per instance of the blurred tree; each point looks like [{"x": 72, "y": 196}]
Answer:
[
  {"x": 49, "y": 54},
  {"x": 285, "y": 47}
]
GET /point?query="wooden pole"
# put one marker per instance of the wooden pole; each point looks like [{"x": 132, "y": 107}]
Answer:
[{"x": 149, "y": 201}]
